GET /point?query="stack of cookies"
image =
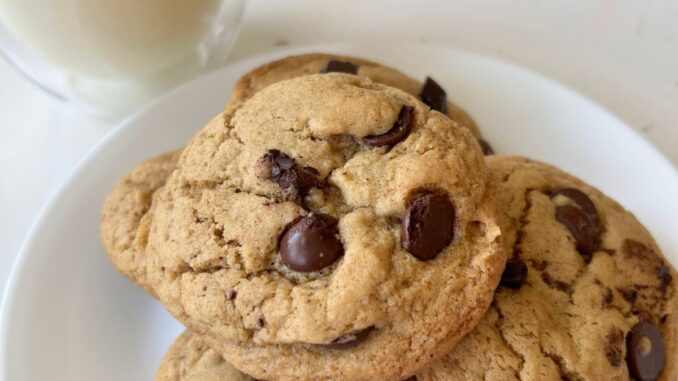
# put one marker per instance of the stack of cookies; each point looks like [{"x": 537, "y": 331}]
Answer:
[{"x": 339, "y": 220}]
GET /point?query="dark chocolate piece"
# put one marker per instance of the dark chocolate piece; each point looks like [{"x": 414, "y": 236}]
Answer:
[
  {"x": 400, "y": 130},
  {"x": 340, "y": 67},
  {"x": 434, "y": 95},
  {"x": 311, "y": 243},
  {"x": 428, "y": 225},
  {"x": 281, "y": 169},
  {"x": 514, "y": 274},
  {"x": 645, "y": 351}
]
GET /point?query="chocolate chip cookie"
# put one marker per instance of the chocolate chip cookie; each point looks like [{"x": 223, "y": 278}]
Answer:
[
  {"x": 127, "y": 204},
  {"x": 430, "y": 92},
  {"x": 586, "y": 294},
  {"x": 125, "y": 216},
  {"x": 327, "y": 228},
  {"x": 190, "y": 359}
]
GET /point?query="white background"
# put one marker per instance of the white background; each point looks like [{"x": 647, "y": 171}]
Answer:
[{"x": 621, "y": 53}]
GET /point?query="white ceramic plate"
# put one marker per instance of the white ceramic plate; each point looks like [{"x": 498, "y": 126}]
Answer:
[{"x": 68, "y": 315}]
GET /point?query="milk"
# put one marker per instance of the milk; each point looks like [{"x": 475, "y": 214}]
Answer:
[{"x": 112, "y": 40}]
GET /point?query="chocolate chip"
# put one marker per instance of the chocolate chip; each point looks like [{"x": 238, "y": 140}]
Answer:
[
  {"x": 613, "y": 347},
  {"x": 580, "y": 218},
  {"x": 401, "y": 128},
  {"x": 580, "y": 198},
  {"x": 514, "y": 274},
  {"x": 413, "y": 378},
  {"x": 281, "y": 169},
  {"x": 311, "y": 243},
  {"x": 434, "y": 95},
  {"x": 583, "y": 230},
  {"x": 645, "y": 351},
  {"x": 340, "y": 67},
  {"x": 486, "y": 147},
  {"x": 232, "y": 294},
  {"x": 428, "y": 224},
  {"x": 350, "y": 340}
]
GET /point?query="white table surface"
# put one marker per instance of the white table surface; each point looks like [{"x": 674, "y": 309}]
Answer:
[{"x": 621, "y": 53}]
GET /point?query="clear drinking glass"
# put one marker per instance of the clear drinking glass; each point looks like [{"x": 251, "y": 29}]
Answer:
[{"x": 109, "y": 56}]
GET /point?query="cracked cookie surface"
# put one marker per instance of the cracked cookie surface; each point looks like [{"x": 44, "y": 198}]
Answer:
[
  {"x": 375, "y": 311},
  {"x": 315, "y": 63},
  {"x": 190, "y": 359},
  {"x": 571, "y": 314},
  {"x": 130, "y": 200}
]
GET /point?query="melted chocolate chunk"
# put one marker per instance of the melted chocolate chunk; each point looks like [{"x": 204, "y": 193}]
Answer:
[
  {"x": 581, "y": 199},
  {"x": 311, "y": 243},
  {"x": 583, "y": 229},
  {"x": 486, "y": 147},
  {"x": 580, "y": 218},
  {"x": 350, "y": 340},
  {"x": 434, "y": 95},
  {"x": 400, "y": 130},
  {"x": 428, "y": 225},
  {"x": 645, "y": 351},
  {"x": 613, "y": 347},
  {"x": 514, "y": 274},
  {"x": 281, "y": 169},
  {"x": 340, "y": 67}
]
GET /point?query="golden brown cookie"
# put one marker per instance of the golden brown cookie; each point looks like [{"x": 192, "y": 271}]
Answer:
[
  {"x": 124, "y": 219},
  {"x": 131, "y": 198},
  {"x": 327, "y": 228},
  {"x": 314, "y": 63},
  {"x": 190, "y": 359},
  {"x": 585, "y": 288}
]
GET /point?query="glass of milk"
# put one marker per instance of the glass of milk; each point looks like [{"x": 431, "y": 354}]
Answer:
[{"x": 111, "y": 56}]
